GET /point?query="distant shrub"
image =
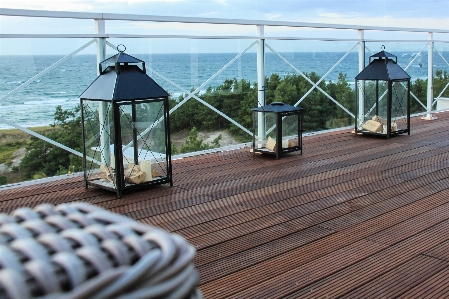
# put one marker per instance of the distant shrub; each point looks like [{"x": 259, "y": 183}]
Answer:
[
  {"x": 45, "y": 159},
  {"x": 194, "y": 144}
]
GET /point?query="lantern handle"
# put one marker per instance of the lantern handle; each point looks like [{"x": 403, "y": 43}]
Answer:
[
  {"x": 124, "y": 48},
  {"x": 382, "y": 47}
]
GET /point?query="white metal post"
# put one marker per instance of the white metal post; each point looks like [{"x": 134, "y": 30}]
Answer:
[
  {"x": 361, "y": 104},
  {"x": 103, "y": 107},
  {"x": 261, "y": 81},
  {"x": 429, "y": 78}
]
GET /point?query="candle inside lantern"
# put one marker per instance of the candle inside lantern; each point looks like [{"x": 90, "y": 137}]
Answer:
[
  {"x": 112, "y": 163},
  {"x": 145, "y": 166}
]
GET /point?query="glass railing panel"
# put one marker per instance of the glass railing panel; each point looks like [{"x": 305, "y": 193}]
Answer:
[
  {"x": 212, "y": 87},
  {"x": 212, "y": 81},
  {"x": 412, "y": 57},
  {"x": 322, "y": 81},
  {"x": 441, "y": 76},
  {"x": 177, "y": 28},
  {"x": 407, "y": 38},
  {"x": 309, "y": 34},
  {"x": 29, "y": 98},
  {"x": 41, "y": 92}
]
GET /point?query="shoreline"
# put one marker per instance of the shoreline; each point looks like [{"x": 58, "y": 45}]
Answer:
[
  {"x": 14, "y": 136},
  {"x": 32, "y": 128}
]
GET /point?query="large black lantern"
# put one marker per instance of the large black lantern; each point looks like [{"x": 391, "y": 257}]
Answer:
[
  {"x": 382, "y": 97},
  {"x": 126, "y": 130},
  {"x": 277, "y": 129}
]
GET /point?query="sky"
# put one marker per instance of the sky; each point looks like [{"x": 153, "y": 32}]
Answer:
[
  {"x": 431, "y": 14},
  {"x": 370, "y": 12}
]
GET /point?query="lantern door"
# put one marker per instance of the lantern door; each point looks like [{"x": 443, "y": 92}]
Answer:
[
  {"x": 277, "y": 133},
  {"x": 383, "y": 107},
  {"x": 98, "y": 141},
  {"x": 144, "y": 143}
]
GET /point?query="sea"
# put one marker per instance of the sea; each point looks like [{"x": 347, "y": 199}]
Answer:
[{"x": 34, "y": 104}]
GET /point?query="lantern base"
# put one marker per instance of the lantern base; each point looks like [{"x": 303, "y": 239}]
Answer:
[
  {"x": 381, "y": 134},
  {"x": 264, "y": 150},
  {"x": 111, "y": 186},
  {"x": 429, "y": 117}
]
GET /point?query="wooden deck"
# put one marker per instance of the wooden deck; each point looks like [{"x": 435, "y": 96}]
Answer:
[{"x": 353, "y": 217}]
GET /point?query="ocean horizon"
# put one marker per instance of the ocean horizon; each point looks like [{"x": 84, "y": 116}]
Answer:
[{"x": 35, "y": 104}]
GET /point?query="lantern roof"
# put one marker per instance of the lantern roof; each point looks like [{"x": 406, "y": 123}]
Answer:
[
  {"x": 277, "y": 107},
  {"x": 120, "y": 58},
  {"x": 123, "y": 77},
  {"x": 383, "y": 54},
  {"x": 383, "y": 66}
]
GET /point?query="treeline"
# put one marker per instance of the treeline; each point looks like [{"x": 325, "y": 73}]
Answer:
[
  {"x": 235, "y": 98},
  {"x": 419, "y": 89}
]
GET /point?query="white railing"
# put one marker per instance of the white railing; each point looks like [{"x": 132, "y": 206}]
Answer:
[{"x": 266, "y": 32}]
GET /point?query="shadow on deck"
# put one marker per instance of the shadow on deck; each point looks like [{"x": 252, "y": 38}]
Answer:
[{"x": 354, "y": 216}]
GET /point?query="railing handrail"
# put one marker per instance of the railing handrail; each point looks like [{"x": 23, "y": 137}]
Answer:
[
  {"x": 247, "y": 37},
  {"x": 178, "y": 19}
]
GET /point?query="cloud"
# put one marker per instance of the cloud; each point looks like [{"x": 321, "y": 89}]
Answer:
[
  {"x": 272, "y": 16},
  {"x": 66, "y": 5},
  {"x": 208, "y": 14},
  {"x": 138, "y": 1},
  {"x": 398, "y": 13},
  {"x": 338, "y": 16},
  {"x": 382, "y": 21},
  {"x": 223, "y": 2}
]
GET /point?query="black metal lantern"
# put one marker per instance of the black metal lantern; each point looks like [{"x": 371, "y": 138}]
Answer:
[
  {"x": 279, "y": 129},
  {"x": 126, "y": 130},
  {"x": 382, "y": 97}
]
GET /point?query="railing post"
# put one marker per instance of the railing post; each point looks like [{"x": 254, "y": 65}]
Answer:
[
  {"x": 261, "y": 81},
  {"x": 103, "y": 107},
  {"x": 361, "y": 96},
  {"x": 429, "y": 78}
]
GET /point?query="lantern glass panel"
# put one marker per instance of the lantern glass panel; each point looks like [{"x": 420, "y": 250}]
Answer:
[
  {"x": 144, "y": 140},
  {"x": 399, "y": 105},
  {"x": 266, "y": 122},
  {"x": 374, "y": 95},
  {"x": 266, "y": 139},
  {"x": 290, "y": 130},
  {"x": 99, "y": 137}
]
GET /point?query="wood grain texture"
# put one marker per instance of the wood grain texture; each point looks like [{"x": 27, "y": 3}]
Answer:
[{"x": 352, "y": 217}]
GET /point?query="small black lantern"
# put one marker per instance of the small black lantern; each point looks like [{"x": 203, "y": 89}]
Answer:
[
  {"x": 382, "y": 97},
  {"x": 126, "y": 129},
  {"x": 279, "y": 129}
]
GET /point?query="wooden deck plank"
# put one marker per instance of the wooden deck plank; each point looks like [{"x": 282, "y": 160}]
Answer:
[
  {"x": 400, "y": 280},
  {"x": 434, "y": 287},
  {"x": 286, "y": 205},
  {"x": 261, "y": 173},
  {"x": 354, "y": 216},
  {"x": 296, "y": 222},
  {"x": 440, "y": 252},
  {"x": 285, "y": 267},
  {"x": 277, "y": 247},
  {"x": 361, "y": 274},
  {"x": 279, "y": 192},
  {"x": 370, "y": 266}
]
